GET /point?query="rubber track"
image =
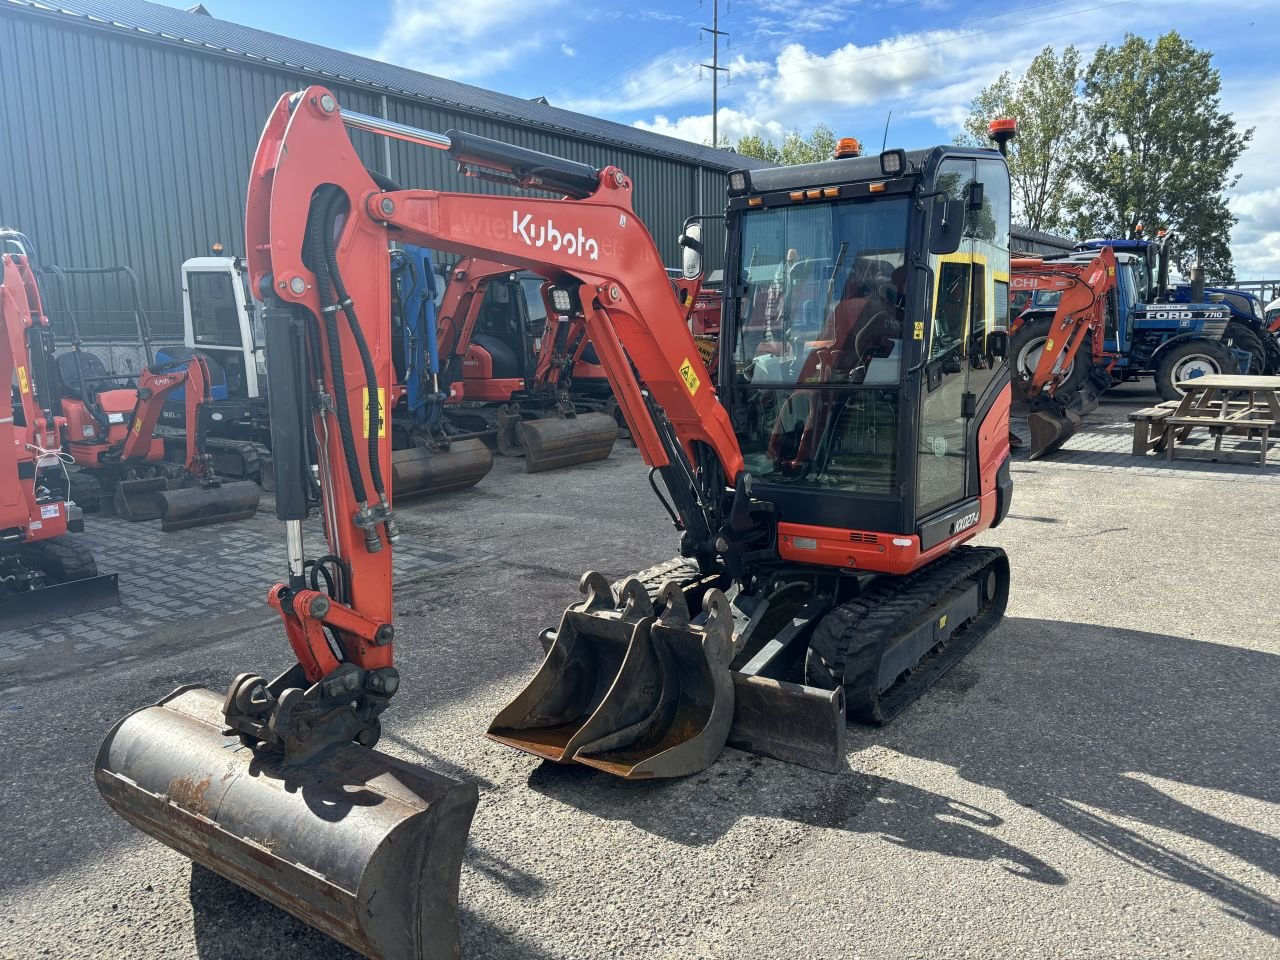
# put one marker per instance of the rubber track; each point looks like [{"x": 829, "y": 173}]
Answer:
[
  {"x": 653, "y": 579},
  {"x": 252, "y": 456},
  {"x": 62, "y": 559},
  {"x": 850, "y": 641}
]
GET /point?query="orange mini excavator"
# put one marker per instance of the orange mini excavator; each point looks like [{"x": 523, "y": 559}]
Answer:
[
  {"x": 44, "y": 571},
  {"x": 824, "y": 494},
  {"x": 110, "y": 428}
]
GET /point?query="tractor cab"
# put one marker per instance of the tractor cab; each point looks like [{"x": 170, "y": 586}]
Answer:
[{"x": 863, "y": 342}]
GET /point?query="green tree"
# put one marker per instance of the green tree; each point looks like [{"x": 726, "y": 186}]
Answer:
[
  {"x": 1158, "y": 149},
  {"x": 820, "y": 144},
  {"x": 1046, "y": 103}
]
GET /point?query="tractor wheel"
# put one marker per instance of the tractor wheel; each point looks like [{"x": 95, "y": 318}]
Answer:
[
  {"x": 1188, "y": 360},
  {"x": 1024, "y": 350},
  {"x": 1243, "y": 338},
  {"x": 62, "y": 559}
]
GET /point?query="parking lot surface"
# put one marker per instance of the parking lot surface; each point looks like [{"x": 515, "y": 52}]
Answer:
[{"x": 1099, "y": 778}]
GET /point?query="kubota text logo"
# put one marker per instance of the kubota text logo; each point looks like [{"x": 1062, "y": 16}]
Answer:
[{"x": 547, "y": 235}]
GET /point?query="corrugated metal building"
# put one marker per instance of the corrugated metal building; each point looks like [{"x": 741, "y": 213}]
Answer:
[{"x": 130, "y": 128}]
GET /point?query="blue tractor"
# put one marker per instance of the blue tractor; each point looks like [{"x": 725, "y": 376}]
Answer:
[{"x": 1246, "y": 331}]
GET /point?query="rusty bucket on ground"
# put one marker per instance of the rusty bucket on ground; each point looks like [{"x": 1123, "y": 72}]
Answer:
[
  {"x": 180, "y": 507},
  {"x": 626, "y": 692},
  {"x": 556, "y": 441},
  {"x": 360, "y": 845},
  {"x": 420, "y": 471}
]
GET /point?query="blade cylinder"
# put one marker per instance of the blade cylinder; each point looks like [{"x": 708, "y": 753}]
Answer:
[{"x": 360, "y": 845}]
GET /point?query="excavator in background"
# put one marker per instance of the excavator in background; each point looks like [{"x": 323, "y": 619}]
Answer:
[
  {"x": 427, "y": 457},
  {"x": 505, "y": 344},
  {"x": 110, "y": 430},
  {"x": 824, "y": 499},
  {"x": 45, "y": 572},
  {"x": 1086, "y": 327}
]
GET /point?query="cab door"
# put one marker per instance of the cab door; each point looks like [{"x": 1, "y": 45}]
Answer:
[{"x": 941, "y": 454}]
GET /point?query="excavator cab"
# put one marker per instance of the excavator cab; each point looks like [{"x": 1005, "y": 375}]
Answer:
[{"x": 862, "y": 345}]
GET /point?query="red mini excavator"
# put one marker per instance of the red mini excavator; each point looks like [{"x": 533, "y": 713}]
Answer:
[
  {"x": 824, "y": 494},
  {"x": 110, "y": 429},
  {"x": 44, "y": 571},
  {"x": 1059, "y": 364}
]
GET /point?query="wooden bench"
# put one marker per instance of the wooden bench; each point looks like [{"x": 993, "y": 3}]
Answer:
[
  {"x": 1236, "y": 423},
  {"x": 1149, "y": 428}
]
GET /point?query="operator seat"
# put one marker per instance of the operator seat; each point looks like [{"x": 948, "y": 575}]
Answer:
[
  {"x": 95, "y": 372},
  {"x": 506, "y": 365}
]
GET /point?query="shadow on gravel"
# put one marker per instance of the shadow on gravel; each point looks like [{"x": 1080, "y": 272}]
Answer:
[
  {"x": 232, "y": 924},
  {"x": 699, "y": 811},
  {"x": 1083, "y": 722}
]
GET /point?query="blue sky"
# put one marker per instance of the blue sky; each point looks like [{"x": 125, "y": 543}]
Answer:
[{"x": 794, "y": 63}]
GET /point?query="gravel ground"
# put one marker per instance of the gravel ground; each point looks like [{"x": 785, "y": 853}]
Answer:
[{"x": 1097, "y": 779}]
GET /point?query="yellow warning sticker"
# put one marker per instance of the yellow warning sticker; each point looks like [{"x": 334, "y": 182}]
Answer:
[
  {"x": 1048, "y": 344},
  {"x": 23, "y": 386},
  {"x": 382, "y": 413},
  {"x": 137, "y": 425},
  {"x": 690, "y": 378},
  {"x": 918, "y": 332},
  {"x": 942, "y": 622}
]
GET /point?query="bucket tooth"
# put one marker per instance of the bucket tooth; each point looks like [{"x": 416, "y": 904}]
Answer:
[
  {"x": 564, "y": 441},
  {"x": 670, "y": 709},
  {"x": 424, "y": 472},
  {"x": 206, "y": 504},
  {"x": 1050, "y": 430},
  {"x": 360, "y": 845},
  {"x": 584, "y": 659}
]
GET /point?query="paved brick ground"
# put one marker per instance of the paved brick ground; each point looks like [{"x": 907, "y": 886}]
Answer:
[{"x": 167, "y": 579}]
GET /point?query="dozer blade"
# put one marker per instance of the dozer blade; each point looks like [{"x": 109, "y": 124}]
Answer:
[
  {"x": 564, "y": 441},
  {"x": 626, "y": 694},
  {"x": 362, "y": 846},
  {"x": 139, "y": 500},
  {"x": 420, "y": 472},
  {"x": 1049, "y": 430},
  {"x": 58, "y": 600},
  {"x": 576, "y": 674},
  {"x": 201, "y": 506}
]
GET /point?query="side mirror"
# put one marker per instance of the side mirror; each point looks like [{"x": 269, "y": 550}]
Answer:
[
  {"x": 998, "y": 343},
  {"x": 976, "y": 194},
  {"x": 691, "y": 252},
  {"x": 946, "y": 227}
]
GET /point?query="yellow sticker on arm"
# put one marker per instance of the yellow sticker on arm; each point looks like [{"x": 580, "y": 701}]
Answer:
[
  {"x": 382, "y": 413},
  {"x": 690, "y": 378}
]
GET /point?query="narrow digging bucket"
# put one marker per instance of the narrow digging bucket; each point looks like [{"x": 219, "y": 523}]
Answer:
[
  {"x": 360, "y": 845},
  {"x": 200, "y": 506},
  {"x": 139, "y": 500},
  {"x": 576, "y": 674},
  {"x": 419, "y": 472},
  {"x": 670, "y": 709},
  {"x": 565, "y": 441},
  {"x": 1049, "y": 430}
]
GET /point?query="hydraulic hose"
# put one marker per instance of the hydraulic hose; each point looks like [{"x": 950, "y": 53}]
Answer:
[
  {"x": 315, "y": 250},
  {"x": 374, "y": 412}
]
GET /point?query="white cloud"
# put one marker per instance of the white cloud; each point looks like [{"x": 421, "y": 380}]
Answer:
[
  {"x": 666, "y": 80},
  {"x": 567, "y": 50},
  {"x": 1255, "y": 240},
  {"x": 697, "y": 128},
  {"x": 483, "y": 36}
]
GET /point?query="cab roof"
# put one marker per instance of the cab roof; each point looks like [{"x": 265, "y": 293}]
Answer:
[{"x": 827, "y": 172}]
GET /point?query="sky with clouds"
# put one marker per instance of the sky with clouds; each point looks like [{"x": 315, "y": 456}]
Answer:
[{"x": 794, "y": 63}]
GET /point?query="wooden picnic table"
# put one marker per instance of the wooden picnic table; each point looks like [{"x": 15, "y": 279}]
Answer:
[{"x": 1224, "y": 405}]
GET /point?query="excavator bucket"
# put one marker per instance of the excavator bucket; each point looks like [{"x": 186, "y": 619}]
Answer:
[
  {"x": 564, "y": 441},
  {"x": 202, "y": 505},
  {"x": 179, "y": 507},
  {"x": 626, "y": 693},
  {"x": 1050, "y": 430},
  {"x": 360, "y": 845},
  {"x": 550, "y": 442},
  {"x": 421, "y": 472}
]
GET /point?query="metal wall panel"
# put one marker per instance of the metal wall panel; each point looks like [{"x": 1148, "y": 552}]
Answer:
[{"x": 126, "y": 151}]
